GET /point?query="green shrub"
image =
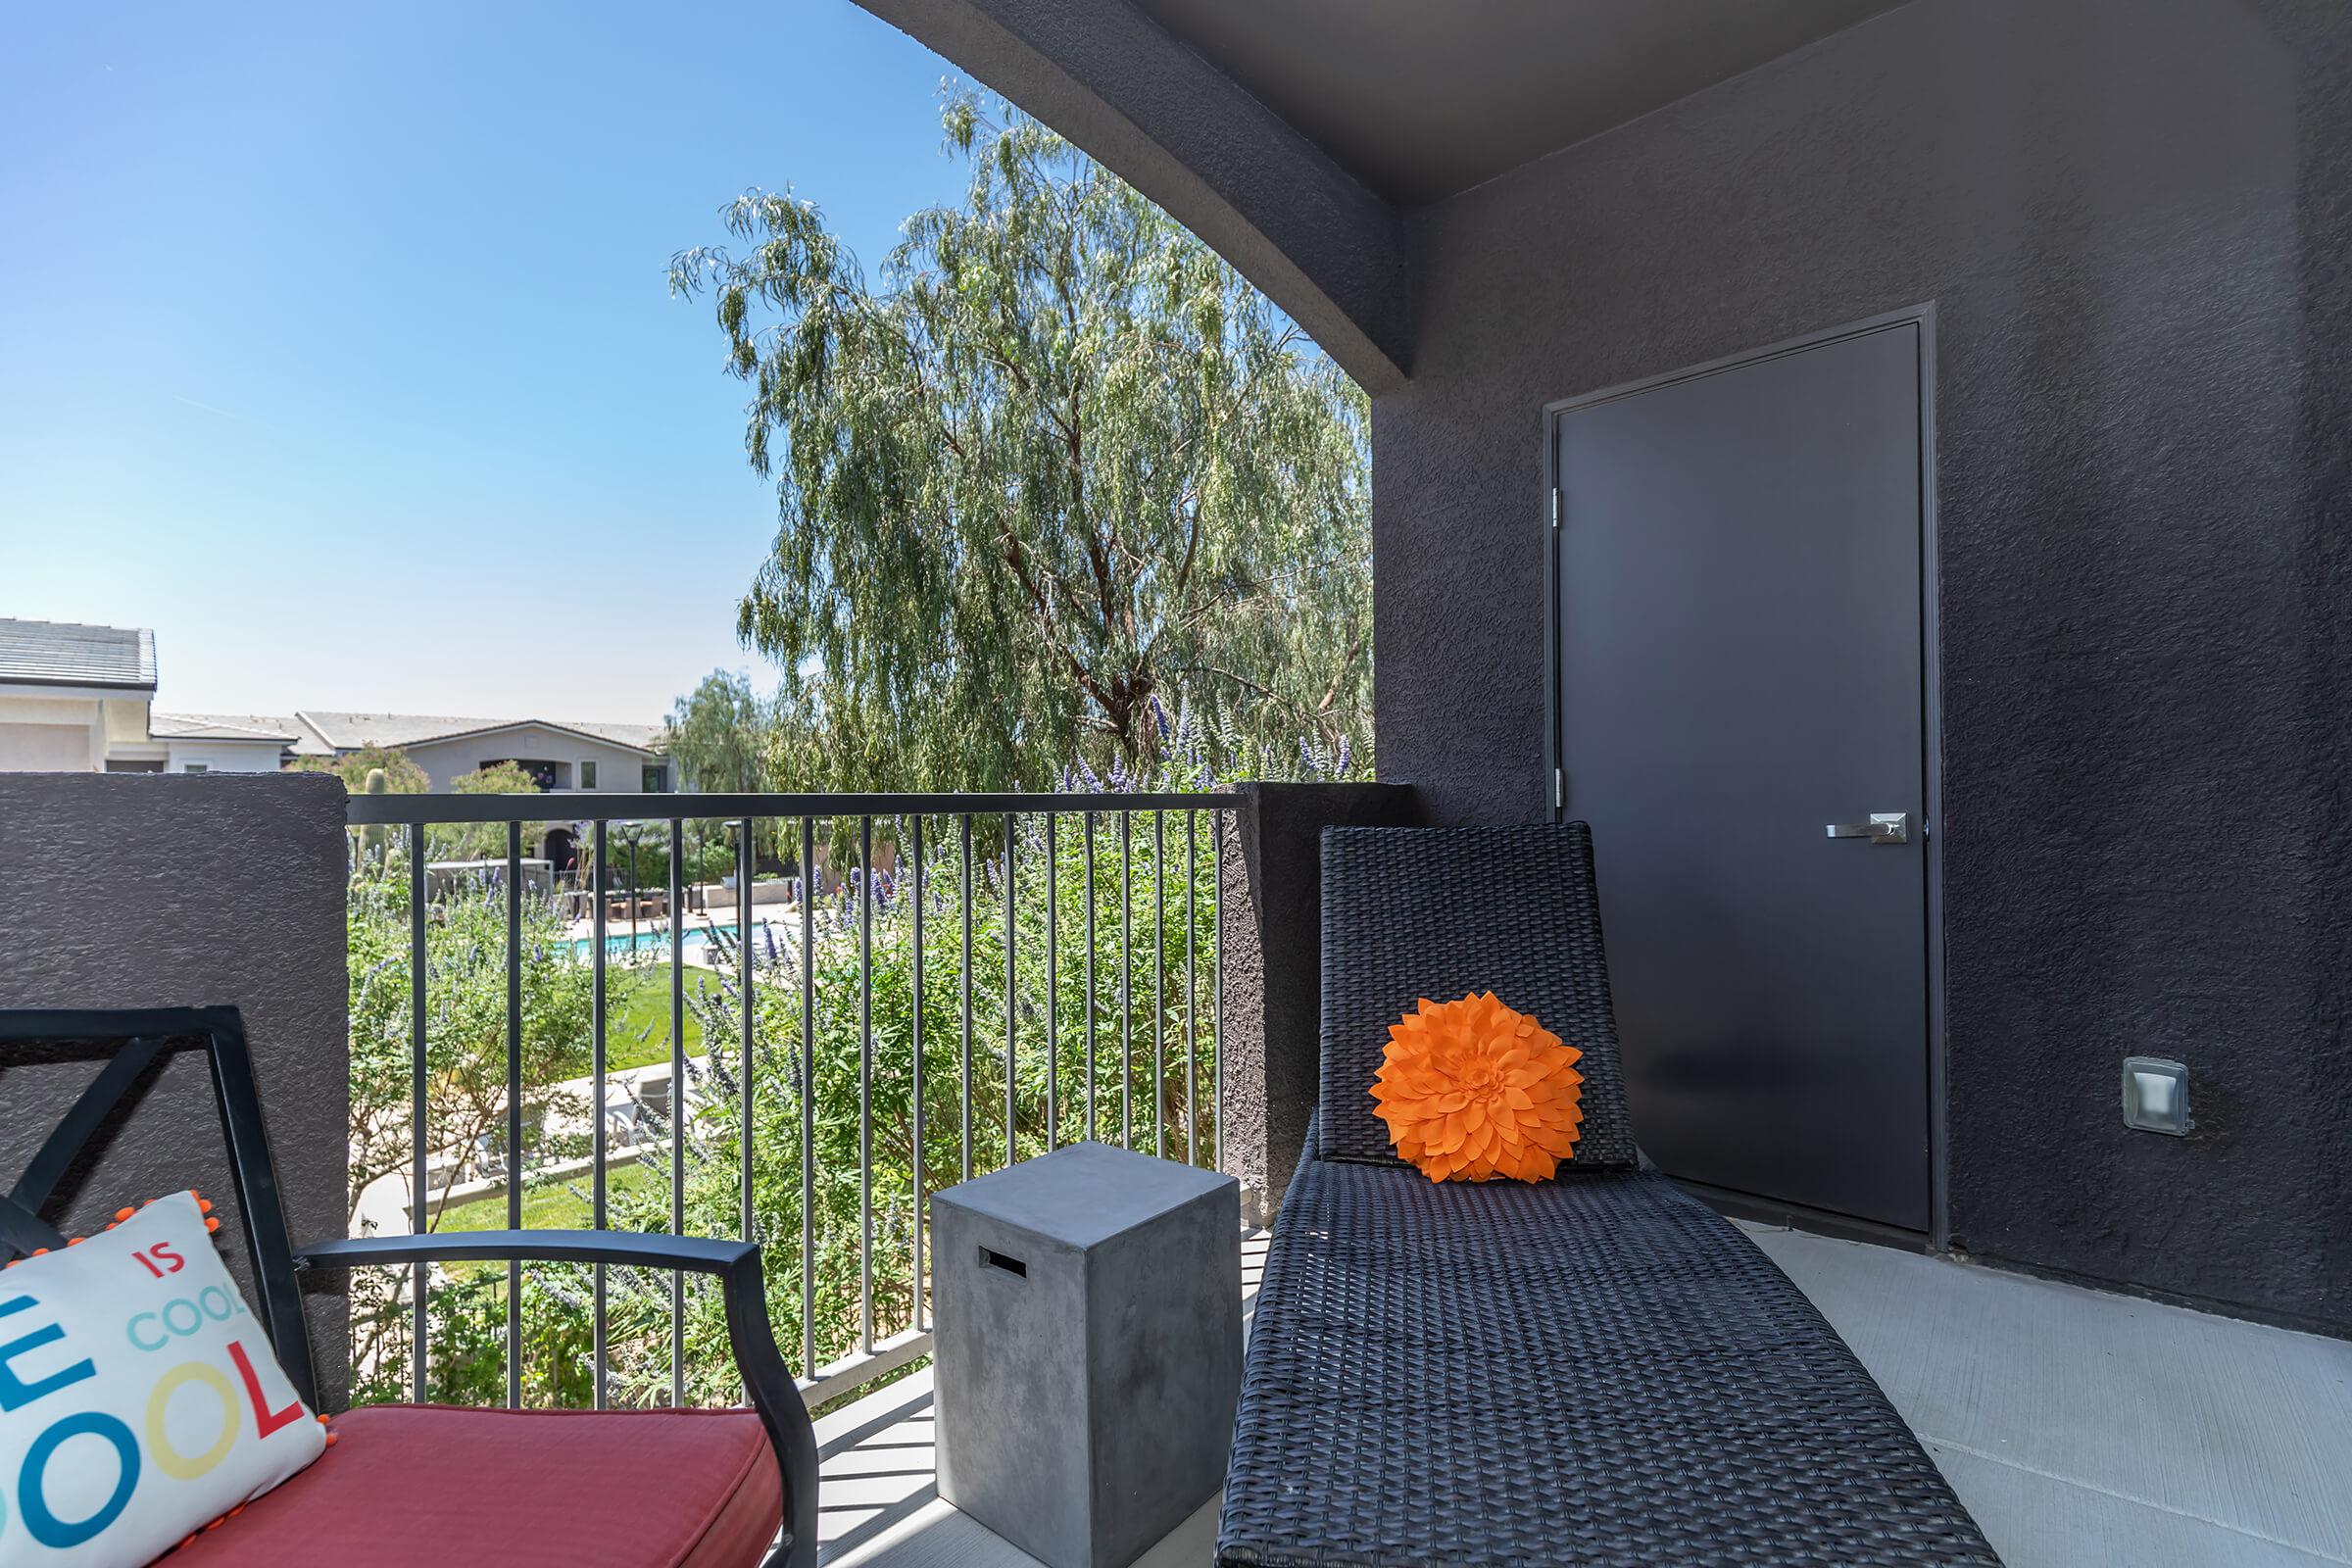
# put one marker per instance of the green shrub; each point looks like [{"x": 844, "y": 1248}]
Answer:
[{"x": 1139, "y": 984}]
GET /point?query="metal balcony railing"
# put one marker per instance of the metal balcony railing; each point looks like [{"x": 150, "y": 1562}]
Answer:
[{"x": 1007, "y": 858}]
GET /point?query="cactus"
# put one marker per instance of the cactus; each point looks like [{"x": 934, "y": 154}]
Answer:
[{"x": 373, "y": 836}]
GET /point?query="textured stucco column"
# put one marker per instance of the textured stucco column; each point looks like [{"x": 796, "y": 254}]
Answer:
[
  {"x": 149, "y": 890},
  {"x": 1273, "y": 937}
]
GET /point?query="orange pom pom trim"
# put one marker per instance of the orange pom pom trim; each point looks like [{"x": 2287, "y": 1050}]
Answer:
[
  {"x": 204, "y": 1205},
  {"x": 1473, "y": 1091}
]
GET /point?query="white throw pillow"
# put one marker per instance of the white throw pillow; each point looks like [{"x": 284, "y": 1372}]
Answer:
[{"x": 139, "y": 1399}]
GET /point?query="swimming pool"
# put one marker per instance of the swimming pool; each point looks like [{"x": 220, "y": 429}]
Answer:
[{"x": 620, "y": 944}]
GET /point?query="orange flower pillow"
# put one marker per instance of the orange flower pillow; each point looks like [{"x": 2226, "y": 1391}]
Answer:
[{"x": 1472, "y": 1089}]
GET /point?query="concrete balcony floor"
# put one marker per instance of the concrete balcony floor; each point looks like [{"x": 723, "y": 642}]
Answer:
[
  {"x": 2082, "y": 1429},
  {"x": 879, "y": 1503}
]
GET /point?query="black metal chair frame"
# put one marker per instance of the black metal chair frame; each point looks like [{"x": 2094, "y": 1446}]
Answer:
[{"x": 132, "y": 1039}]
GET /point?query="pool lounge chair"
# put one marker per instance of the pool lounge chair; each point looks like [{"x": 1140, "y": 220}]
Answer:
[{"x": 1596, "y": 1369}]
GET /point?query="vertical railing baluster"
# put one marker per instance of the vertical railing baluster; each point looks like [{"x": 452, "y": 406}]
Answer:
[
  {"x": 1011, "y": 1017},
  {"x": 678, "y": 1102},
  {"x": 1090, "y": 975},
  {"x": 596, "y": 1108},
  {"x": 1053, "y": 996},
  {"x": 966, "y": 821},
  {"x": 922, "y": 1002},
  {"x": 866, "y": 1084},
  {"x": 746, "y": 861},
  {"x": 1191, "y": 981},
  {"x": 808, "y": 1097},
  {"x": 1159, "y": 984},
  {"x": 419, "y": 1179},
  {"x": 1126, "y": 978},
  {"x": 1201, "y": 1132},
  {"x": 514, "y": 1171},
  {"x": 1216, "y": 951}
]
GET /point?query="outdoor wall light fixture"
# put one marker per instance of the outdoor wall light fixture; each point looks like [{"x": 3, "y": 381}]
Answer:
[{"x": 2156, "y": 1095}]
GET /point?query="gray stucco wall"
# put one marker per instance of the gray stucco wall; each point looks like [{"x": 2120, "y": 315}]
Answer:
[
  {"x": 2135, "y": 218},
  {"x": 171, "y": 890},
  {"x": 1273, "y": 970}
]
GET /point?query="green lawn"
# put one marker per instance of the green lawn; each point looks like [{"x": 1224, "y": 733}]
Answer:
[
  {"x": 637, "y": 1022},
  {"x": 546, "y": 1206}
]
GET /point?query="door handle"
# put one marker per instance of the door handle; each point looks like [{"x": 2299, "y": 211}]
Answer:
[{"x": 1883, "y": 827}]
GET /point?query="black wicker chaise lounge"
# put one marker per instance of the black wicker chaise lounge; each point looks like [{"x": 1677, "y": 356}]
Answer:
[{"x": 1596, "y": 1369}]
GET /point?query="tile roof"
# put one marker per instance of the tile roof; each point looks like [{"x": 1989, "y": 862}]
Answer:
[
  {"x": 49, "y": 653},
  {"x": 344, "y": 731},
  {"x": 223, "y": 727},
  {"x": 643, "y": 737}
]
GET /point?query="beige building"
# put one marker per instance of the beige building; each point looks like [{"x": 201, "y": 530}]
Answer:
[
  {"x": 561, "y": 753},
  {"x": 222, "y": 743},
  {"x": 79, "y": 700},
  {"x": 74, "y": 698}
]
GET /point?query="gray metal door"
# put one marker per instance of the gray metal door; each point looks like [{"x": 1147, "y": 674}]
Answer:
[{"x": 1739, "y": 656}]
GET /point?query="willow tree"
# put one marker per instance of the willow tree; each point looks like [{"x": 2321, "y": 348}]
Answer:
[{"x": 1059, "y": 462}]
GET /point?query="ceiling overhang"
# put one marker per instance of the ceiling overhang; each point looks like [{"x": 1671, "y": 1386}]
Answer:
[
  {"x": 1295, "y": 136},
  {"x": 1321, "y": 245}
]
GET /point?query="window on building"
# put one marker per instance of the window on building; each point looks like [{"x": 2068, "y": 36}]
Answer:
[
  {"x": 587, "y": 775},
  {"x": 656, "y": 778},
  {"x": 196, "y": 767}
]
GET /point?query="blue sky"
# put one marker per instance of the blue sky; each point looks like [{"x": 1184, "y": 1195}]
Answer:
[{"x": 335, "y": 345}]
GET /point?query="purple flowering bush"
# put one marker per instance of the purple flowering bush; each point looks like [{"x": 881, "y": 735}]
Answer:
[{"x": 1110, "y": 1036}]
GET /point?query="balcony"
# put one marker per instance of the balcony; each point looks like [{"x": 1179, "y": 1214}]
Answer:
[{"x": 2078, "y": 1425}]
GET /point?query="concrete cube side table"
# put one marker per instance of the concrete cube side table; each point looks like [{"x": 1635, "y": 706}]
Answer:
[{"x": 1087, "y": 1349}]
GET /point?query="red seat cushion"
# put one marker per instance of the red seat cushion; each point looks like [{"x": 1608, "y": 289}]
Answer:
[{"x": 432, "y": 1485}]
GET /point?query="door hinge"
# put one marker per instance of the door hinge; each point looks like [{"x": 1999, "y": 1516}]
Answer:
[
  {"x": 1556, "y": 507},
  {"x": 1559, "y": 789}
]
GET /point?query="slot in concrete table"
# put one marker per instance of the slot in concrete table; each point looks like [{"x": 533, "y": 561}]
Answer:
[{"x": 1087, "y": 1342}]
